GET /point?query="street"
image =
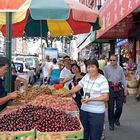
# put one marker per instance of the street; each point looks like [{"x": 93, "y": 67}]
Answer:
[{"x": 130, "y": 122}]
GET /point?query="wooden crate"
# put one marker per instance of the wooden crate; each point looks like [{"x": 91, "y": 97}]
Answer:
[
  {"x": 133, "y": 84},
  {"x": 132, "y": 91},
  {"x": 17, "y": 135},
  {"x": 65, "y": 135},
  {"x": 59, "y": 135}
]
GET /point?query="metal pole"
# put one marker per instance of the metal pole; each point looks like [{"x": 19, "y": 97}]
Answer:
[
  {"x": 41, "y": 40},
  {"x": 8, "y": 49}
]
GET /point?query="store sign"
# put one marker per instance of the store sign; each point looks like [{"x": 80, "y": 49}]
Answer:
[
  {"x": 120, "y": 42},
  {"x": 113, "y": 11},
  {"x": 106, "y": 46}
]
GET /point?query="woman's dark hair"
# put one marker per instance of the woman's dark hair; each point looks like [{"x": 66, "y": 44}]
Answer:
[
  {"x": 100, "y": 71},
  {"x": 66, "y": 57},
  {"x": 54, "y": 60},
  {"x": 92, "y": 62},
  {"x": 76, "y": 66}
]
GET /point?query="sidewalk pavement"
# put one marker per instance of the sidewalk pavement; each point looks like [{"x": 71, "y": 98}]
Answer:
[{"x": 130, "y": 122}]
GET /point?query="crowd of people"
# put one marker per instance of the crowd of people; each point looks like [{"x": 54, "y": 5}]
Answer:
[{"x": 100, "y": 83}]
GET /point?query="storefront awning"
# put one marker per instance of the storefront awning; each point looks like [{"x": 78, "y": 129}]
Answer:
[
  {"x": 86, "y": 41},
  {"x": 116, "y": 18},
  {"x": 91, "y": 38}
]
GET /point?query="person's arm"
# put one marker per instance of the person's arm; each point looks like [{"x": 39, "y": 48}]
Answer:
[
  {"x": 62, "y": 77},
  {"x": 124, "y": 82},
  {"x": 72, "y": 91},
  {"x": 63, "y": 81},
  {"x": 10, "y": 96},
  {"x": 43, "y": 64},
  {"x": 49, "y": 72},
  {"x": 105, "y": 72}
]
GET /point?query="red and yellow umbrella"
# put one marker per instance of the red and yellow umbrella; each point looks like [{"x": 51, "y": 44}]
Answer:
[
  {"x": 59, "y": 17},
  {"x": 12, "y": 5}
]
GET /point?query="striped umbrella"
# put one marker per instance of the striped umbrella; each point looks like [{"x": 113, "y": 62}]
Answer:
[{"x": 59, "y": 17}]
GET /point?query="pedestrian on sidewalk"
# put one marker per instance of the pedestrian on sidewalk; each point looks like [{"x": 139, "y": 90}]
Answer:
[
  {"x": 102, "y": 62},
  {"x": 138, "y": 74},
  {"x": 118, "y": 90},
  {"x": 96, "y": 90},
  {"x": 45, "y": 68}
]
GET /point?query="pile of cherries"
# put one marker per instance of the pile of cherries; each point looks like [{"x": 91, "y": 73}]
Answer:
[{"x": 39, "y": 117}]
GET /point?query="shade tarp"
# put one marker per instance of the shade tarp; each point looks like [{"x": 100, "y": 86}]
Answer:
[{"x": 89, "y": 39}]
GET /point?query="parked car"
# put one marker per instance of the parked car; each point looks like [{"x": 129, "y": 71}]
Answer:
[
  {"x": 32, "y": 61},
  {"x": 24, "y": 71}
]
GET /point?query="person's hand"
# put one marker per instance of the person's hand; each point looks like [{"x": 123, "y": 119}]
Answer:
[
  {"x": 68, "y": 78},
  {"x": 126, "y": 93},
  {"x": 85, "y": 100},
  {"x": 14, "y": 95},
  {"x": 64, "y": 94}
]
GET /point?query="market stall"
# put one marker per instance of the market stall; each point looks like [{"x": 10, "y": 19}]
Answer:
[{"x": 42, "y": 115}]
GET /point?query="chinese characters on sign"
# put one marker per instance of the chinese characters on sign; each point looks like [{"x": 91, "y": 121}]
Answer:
[{"x": 114, "y": 11}]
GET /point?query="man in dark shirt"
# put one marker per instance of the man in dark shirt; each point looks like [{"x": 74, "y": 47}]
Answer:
[{"x": 4, "y": 97}]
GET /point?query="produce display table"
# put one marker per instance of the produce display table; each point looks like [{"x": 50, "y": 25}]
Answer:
[{"x": 39, "y": 109}]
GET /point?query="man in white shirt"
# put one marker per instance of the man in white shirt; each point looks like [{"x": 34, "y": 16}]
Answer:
[{"x": 66, "y": 74}]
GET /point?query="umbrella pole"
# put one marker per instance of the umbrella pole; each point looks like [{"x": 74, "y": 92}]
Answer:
[
  {"x": 41, "y": 39},
  {"x": 41, "y": 44},
  {"x": 8, "y": 49}
]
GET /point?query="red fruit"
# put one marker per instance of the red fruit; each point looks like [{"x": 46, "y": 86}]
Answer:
[{"x": 60, "y": 86}]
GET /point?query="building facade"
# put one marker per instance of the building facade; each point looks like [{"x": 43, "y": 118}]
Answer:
[{"x": 92, "y": 3}]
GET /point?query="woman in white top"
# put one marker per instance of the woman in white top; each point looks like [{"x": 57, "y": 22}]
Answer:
[{"x": 96, "y": 90}]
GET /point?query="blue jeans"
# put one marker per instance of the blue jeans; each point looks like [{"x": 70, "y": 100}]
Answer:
[{"x": 93, "y": 125}]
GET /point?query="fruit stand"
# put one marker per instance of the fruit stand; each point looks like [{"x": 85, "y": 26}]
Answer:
[{"x": 43, "y": 116}]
